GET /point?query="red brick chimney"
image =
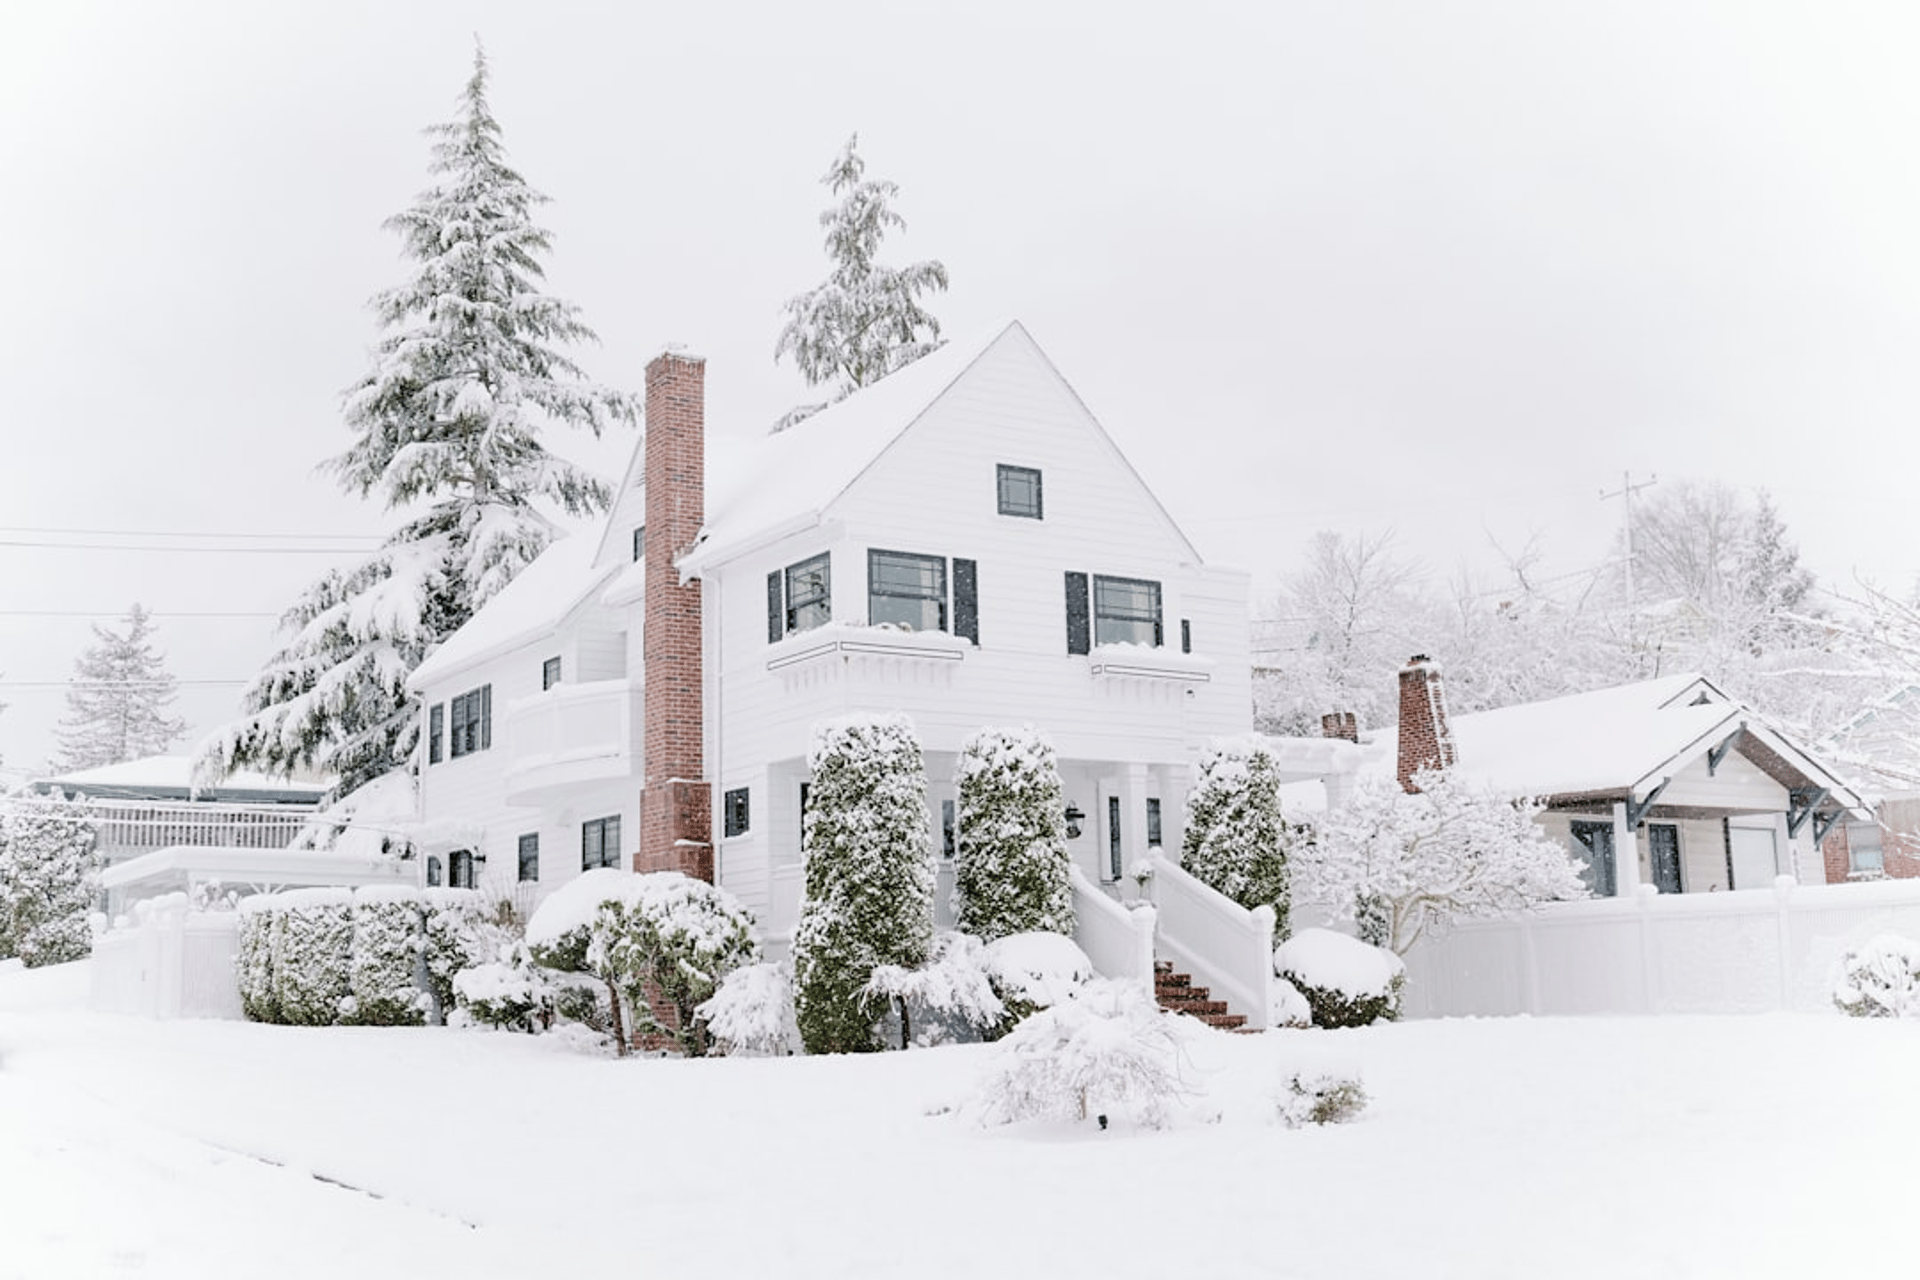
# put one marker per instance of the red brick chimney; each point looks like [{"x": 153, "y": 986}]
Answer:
[
  {"x": 1425, "y": 740},
  {"x": 1340, "y": 724},
  {"x": 676, "y": 809}
]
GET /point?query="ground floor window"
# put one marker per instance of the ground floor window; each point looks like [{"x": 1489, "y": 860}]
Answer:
[
  {"x": 1593, "y": 846},
  {"x": 1865, "y": 854},
  {"x": 600, "y": 843},
  {"x": 734, "y": 812},
  {"x": 460, "y": 869},
  {"x": 530, "y": 857}
]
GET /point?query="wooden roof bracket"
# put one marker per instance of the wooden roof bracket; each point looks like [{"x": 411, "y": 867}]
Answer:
[
  {"x": 1716, "y": 754},
  {"x": 1801, "y": 803},
  {"x": 1637, "y": 810},
  {"x": 1823, "y": 823}
]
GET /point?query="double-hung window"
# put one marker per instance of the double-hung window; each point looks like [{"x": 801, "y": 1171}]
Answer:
[
  {"x": 1126, "y": 611},
  {"x": 600, "y": 843},
  {"x": 907, "y": 590},
  {"x": 471, "y": 715},
  {"x": 800, "y": 597}
]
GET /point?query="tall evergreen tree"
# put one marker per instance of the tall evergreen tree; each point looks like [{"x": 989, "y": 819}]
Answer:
[
  {"x": 48, "y": 878},
  {"x": 1236, "y": 840},
  {"x": 1011, "y": 869},
  {"x": 117, "y": 700},
  {"x": 865, "y": 320},
  {"x": 470, "y": 371}
]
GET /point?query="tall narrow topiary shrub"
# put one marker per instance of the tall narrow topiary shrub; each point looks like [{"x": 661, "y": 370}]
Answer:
[
  {"x": 869, "y": 877},
  {"x": 1236, "y": 839},
  {"x": 1011, "y": 867}
]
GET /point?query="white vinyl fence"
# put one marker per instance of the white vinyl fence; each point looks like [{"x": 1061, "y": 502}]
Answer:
[
  {"x": 1745, "y": 952},
  {"x": 168, "y": 961}
]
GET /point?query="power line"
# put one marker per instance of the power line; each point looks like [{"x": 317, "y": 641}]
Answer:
[
  {"x": 117, "y": 684},
  {"x": 121, "y": 613},
  {"x": 136, "y": 546},
  {"x": 178, "y": 533}
]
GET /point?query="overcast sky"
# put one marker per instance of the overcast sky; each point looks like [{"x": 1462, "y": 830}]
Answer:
[{"x": 1448, "y": 269}]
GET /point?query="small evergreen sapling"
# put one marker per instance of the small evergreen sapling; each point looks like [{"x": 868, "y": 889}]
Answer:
[
  {"x": 1326, "y": 1098},
  {"x": 869, "y": 877},
  {"x": 1011, "y": 868},
  {"x": 1236, "y": 840}
]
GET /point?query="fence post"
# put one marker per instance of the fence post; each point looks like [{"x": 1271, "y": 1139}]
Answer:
[
  {"x": 1783, "y": 887},
  {"x": 1530, "y": 966},
  {"x": 1649, "y": 979}
]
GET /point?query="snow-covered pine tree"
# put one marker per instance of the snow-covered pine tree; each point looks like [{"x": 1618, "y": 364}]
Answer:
[
  {"x": 469, "y": 373},
  {"x": 865, "y": 320},
  {"x": 1236, "y": 840},
  {"x": 1010, "y": 857},
  {"x": 48, "y": 880},
  {"x": 117, "y": 700},
  {"x": 869, "y": 876}
]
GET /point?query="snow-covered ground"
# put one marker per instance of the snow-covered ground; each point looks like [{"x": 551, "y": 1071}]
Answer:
[{"x": 1758, "y": 1146}]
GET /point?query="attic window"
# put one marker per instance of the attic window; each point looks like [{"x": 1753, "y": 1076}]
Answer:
[{"x": 1019, "y": 491}]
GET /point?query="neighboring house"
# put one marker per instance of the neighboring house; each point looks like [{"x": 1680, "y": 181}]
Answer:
[
  {"x": 1666, "y": 782},
  {"x": 960, "y": 541},
  {"x": 1882, "y": 737}
]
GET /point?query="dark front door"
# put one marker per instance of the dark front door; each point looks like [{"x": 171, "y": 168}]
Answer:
[
  {"x": 1593, "y": 843},
  {"x": 1663, "y": 843}
]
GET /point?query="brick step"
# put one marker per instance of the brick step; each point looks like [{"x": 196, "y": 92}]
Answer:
[{"x": 1176, "y": 993}]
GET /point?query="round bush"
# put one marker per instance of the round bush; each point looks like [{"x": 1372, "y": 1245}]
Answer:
[
  {"x": 1880, "y": 979},
  {"x": 1345, "y": 982}
]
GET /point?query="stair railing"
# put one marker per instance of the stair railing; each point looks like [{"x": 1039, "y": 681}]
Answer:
[
  {"x": 1225, "y": 946},
  {"x": 1118, "y": 939}
]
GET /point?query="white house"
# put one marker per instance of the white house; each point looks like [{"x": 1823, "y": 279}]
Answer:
[{"x": 961, "y": 542}]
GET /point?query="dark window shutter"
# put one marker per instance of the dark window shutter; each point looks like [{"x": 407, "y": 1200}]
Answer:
[
  {"x": 1186, "y": 636},
  {"x": 486, "y": 716},
  {"x": 966, "y": 600},
  {"x": 776, "y": 616},
  {"x": 1079, "y": 631},
  {"x": 436, "y": 720}
]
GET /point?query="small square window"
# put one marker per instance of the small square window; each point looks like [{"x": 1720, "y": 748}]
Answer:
[
  {"x": 734, "y": 812},
  {"x": 530, "y": 857},
  {"x": 1019, "y": 491},
  {"x": 550, "y": 673}
]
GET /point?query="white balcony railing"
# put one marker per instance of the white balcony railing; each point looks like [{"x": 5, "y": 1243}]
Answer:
[
  {"x": 1222, "y": 944},
  {"x": 572, "y": 733}
]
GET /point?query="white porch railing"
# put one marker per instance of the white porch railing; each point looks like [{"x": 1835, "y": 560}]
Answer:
[
  {"x": 1119, "y": 940},
  {"x": 168, "y": 962},
  {"x": 572, "y": 733},
  {"x": 1226, "y": 947}
]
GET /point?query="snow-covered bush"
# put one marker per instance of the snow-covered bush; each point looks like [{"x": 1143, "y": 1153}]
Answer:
[
  {"x": 1402, "y": 865},
  {"x": 458, "y": 934},
  {"x": 561, "y": 936},
  {"x": 253, "y": 960},
  {"x": 1346, "y": 982},
  {"x": 313, "y": 954},
  {"x": 670, "y": 943},
  {"x": 1235, "y": 839},
  {"x": 1327, "y": 1098},
  {"x": 48, "y": 880},
  {"x": 1286, "y": 1007},
  {"x": 513, "y": 993},
  {"x": 751, "y": 1015},
  {"x": 1880, "y": 979},
  {"x": 951, "y": 997},
  {"x": 869, "y": 876},
  {"x": 1032, "y": 971},
  {"x": 1010, "y": 871},
  {"x": 386, "y": 949},
  {"x": 1109, "y": 1051}
]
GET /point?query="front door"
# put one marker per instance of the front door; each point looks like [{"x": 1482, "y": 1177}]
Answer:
[
  {"x": 1663, "y": 843},
  {"x": 1593, "y": 845}
]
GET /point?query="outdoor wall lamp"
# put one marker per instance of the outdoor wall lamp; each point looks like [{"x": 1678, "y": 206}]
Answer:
[{"x": 1074, "y": 819}]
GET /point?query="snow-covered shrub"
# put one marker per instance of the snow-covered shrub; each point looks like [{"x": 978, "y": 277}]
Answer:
[
  {"x": 1345, "y": 982},
  {"x": 513, "y": 993},
  {"x": 1235, "y": 839},
  {"x": 670, "y": 940},
  {"x": 1327, "y": 1098},
  {"x": 313, "y": 953},
  {"x": 1010, "y": 871},
  {"x": 1286, "y": 1007},
  {"x": 1109, "y": 1051},
  {"x": 562, "y": 936},
  {"x": 1032, "y": 971},
  {"x": 951, "y": 997},
  {"x": 387, "y": 944},
  {"x": 1880, "y": 979},
  {"x": 253, "y": 960},
  {"x": 751, "y": 1015},
  {"x": 49, "y": 877},
  {"x": 869, "y": 876},
  {"x": 457, "y": 934}
]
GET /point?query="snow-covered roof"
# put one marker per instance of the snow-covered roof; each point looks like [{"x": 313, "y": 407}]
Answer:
[
  {"x": 255, "y": 866},
  {"x": 171, "y": 777},
  {"x": 531, "y": 605}
]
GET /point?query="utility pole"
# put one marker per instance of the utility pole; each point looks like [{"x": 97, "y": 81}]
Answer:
[{"x": 1626, "y": 491}]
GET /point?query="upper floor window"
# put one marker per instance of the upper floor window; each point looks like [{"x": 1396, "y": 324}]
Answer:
[
  {"x": 436, "y": 727},
  {"x": 800, "y": 597},
  {"x": 1126, "y": 611},
  {"x": 550, "y": 673},
  {"x": 907, "y": 590},
  {"x": 639, "y": 542},
  {"x": 600, "y": 843},
  {"x": 472, "y": 721},
  {"x": 1019, "y": 491}
]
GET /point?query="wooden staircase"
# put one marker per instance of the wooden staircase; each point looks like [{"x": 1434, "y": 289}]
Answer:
[{"x": 1177, "y": 994}]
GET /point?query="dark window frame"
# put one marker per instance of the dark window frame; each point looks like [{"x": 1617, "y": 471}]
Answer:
[
  {"x": 550, "y": 673},
  {"x": 811, "y": 605},
  {"x": 1109, "y": 612},
  {"x": 639, "y": 542},
  {"x": 600, "y": 842},
  {"x": 433, "y": 871},
  {"x": 460, "y": 869},
  {"x": 470, "y": 719},
  {"x": 1154, "y": 828},
  {"x": 529, "y": 851},
  {"x": 936, "y": 596},
  {"x": 1019, "y": 491},
  {"x": 736, "y": 811},
  {"x": 436, "y": 728}
]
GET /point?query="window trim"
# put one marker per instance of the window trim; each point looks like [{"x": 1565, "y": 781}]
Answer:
[
  {"x": 608, "y": 831},
  {"x": 1096, "y": 615},
  {"x": 1005, "y": 472},
  {"x": 939, "y": 596},
  {"x": 470, "y": 717}
]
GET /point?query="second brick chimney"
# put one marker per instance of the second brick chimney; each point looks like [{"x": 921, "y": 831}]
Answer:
[
  {"x": 1426, "y": 742},
  {"x": 676, "y": 805},
  {"x": 1340, "y": 724}
]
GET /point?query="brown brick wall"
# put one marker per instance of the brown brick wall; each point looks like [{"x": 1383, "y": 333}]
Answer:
[
  {"x": 1426, "y": 742},
  {"x": 675, "y": 822},
  {"x": 1836, "y": 854},
  {"x": 1340, "y": 724}
]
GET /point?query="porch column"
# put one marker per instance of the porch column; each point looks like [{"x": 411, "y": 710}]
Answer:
[
  {"x": 1133, "y": 815},
  {"x": 1171, "y": 779},
  {"x": 1626, "y": 854}
]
